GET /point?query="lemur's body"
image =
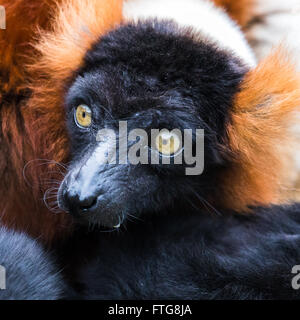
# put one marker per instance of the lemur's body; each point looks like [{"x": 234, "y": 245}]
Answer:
[{"x": 197, "y": 256}]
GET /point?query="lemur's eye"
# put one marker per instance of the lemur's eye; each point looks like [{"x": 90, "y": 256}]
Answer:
[
  {"x": 83, "y": 116},
  {"x": 167, "y": 143}
]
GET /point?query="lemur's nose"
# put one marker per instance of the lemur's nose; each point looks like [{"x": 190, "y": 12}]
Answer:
[
  {"x": 87, "y": 203},
  {"x": 79, "y": 205}
]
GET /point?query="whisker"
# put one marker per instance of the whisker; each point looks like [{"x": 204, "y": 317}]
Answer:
[
  {"x": 50, "y": 184},
  {"x": 206, "y": 202},
  {"x": 134, "y": 217},
  {"x": 108, "y": 112},
  {"x": 52, "y": 206},
  {"x": 49, "y": 198},
  {"x": 191, "y": 203},
  {"x": 108, "y": 231}
]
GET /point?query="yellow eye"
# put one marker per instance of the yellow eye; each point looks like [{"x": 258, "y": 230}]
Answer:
[
  {"x": 83, "y": 116},
  {"x": 168, "y": 143}
]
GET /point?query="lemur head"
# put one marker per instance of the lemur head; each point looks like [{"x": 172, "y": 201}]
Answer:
[{"x": 147, "y": 75}]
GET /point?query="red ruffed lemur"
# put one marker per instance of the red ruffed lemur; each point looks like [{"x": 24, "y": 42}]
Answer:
[
  {"x": 156, "y": 64},
  {"x": 44, "y": 46}
]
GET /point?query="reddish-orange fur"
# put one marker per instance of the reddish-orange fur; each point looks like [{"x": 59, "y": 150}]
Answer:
[
  {"x": 240, "y": 11},
  {"x": 21, "y": 19},
  {"x": 259, "y": 136},
  {"x": 34, "y": 129}
]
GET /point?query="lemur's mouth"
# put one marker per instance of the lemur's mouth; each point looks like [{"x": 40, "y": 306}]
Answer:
[{"x": 97, "y": 209}]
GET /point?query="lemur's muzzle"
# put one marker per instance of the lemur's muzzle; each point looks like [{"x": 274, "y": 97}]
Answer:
[{"x": 88, "y": 192}]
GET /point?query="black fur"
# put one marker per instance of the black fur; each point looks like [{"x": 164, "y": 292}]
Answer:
[
  {"x": 138, "y": 65},
  {"x": 194, "y": 256},
  {"x": 31, "y": 273}
]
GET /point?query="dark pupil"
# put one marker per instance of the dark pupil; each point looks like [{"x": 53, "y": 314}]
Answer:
[{"x": 83, "y": 114}]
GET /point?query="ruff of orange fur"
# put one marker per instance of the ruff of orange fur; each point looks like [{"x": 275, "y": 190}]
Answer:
[
  {"x": 259, "y": 137},
  {"x": 44, "y": 43}
]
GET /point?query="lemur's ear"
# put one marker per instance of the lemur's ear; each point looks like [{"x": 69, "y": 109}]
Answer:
[{"x": 259, "y": 134}]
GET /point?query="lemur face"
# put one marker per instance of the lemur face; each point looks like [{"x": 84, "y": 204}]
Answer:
[{"x": 150, "y": 75}]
